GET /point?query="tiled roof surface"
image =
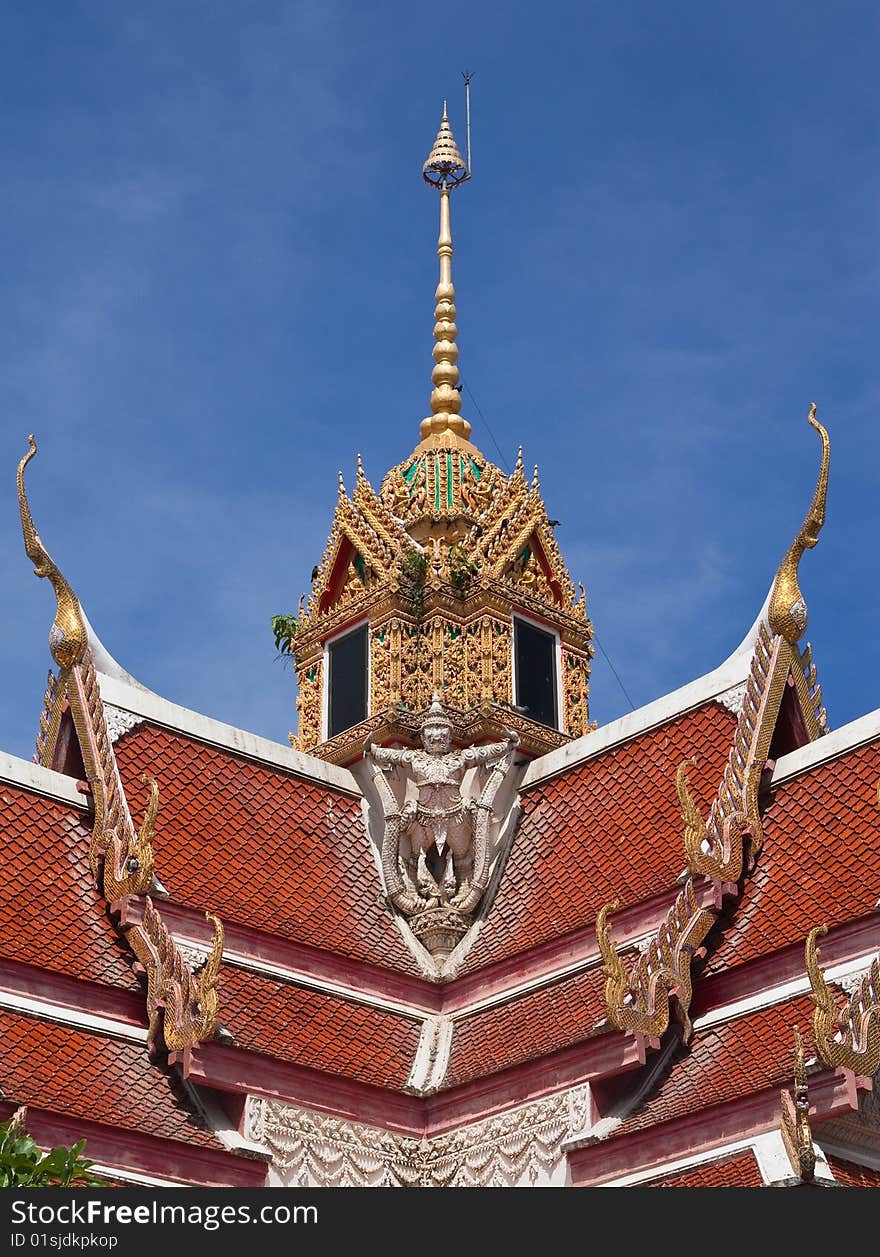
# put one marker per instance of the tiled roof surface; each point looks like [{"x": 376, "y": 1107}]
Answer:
[
  {"x": 820, "y": 861},
  {"x": 525, "y": 1028},
  {"x": 50, "y": 913},
  {"x": 739, "y": 1171},
  {"x": 609, "y": 829},
  {"x": 103, "y": 1080},
  {"x": 263, "y": 848},
  {"x": 321, "y": 1031},
  {"x": 852, "y": 1175},
  {"x": 729, "y": 1061}
]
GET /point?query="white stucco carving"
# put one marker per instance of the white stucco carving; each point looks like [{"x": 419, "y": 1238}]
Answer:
[
  {"x": 519, "y": 1148},
  {"x": 119, "y": 721},
  {"x": 439, "y": 830},
  {"x": 733, "y": 698}
]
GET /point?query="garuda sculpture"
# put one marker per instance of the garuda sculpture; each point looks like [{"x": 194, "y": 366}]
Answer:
[{"x": 436, "y": 849}]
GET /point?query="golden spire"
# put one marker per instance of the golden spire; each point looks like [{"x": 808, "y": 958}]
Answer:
[
  {"x": 68, "y": 639},
  {"x": 445, "y": 169},
  {"x": 787, "y": 614}
]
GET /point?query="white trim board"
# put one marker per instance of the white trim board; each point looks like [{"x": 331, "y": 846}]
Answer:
[
  {"x": 120, "y": 689},
  {"x": 847, "y": 738},
  {"x": 27, "y": 775}
]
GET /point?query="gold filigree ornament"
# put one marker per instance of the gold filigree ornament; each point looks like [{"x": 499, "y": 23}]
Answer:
[
  {"x": 638, "y": 1002},
  {"x": 128, "y": 868},
  {"x": 718, "y": 856},
  {"x": 795, "y": 1120},
  {"x": 68, "y": 639},
  {"x": 787, "y": 613},
  {"x": 186, "y": 1006},
  {"x": 846, "y": 1037}
]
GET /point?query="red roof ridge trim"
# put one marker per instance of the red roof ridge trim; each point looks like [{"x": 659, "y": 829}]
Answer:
[
  {"x": 121, "y": 860},
  {"x": 300, "y": 964},
  {"x": 311, "y": 968},
  {"x": 60, "y": 997},
  {"x": 182, "y": 720},
  {"x": 77, "y": 1019},
  {"x": 594, "y": 1162},
  {"x": 155, "y": 1156}
]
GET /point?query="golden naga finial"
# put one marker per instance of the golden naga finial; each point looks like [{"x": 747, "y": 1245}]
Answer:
[
  {"x": 795, "y": 1124},
  {"x": 128, "y": 866},
  {"x": 189, "y": 1004},
  {"x": 787, "y": 615},
  {"x": 718, "y": 856},
  {"x": 847, "y": 1037},
  {"x": 445, "y": 169},
  {"x": 68, "y": 640}
]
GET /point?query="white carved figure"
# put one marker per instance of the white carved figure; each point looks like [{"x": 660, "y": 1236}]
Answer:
[{"x": 434, "y": 850}]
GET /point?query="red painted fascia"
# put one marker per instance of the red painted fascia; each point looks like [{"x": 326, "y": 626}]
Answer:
[
  {"x": 142, "y": 1154},
  {"x": 322, "y": 966},
  {"x": 75, "y": 994},
  {"x": 577, "y": 950},
  {"x": 831, "y": 1095},
  {"x": 234, "y": 1070},
  {"x": 842, "y": 943},
  {"x": 600, "y": 1057}
]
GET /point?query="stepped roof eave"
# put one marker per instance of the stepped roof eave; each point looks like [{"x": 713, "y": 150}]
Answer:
[
  {"x": 39, "y": 780},
  {"x": 711, "y": 686},
  {"x": 849, "y": 737},
  {"x": 120, "y": 689}
]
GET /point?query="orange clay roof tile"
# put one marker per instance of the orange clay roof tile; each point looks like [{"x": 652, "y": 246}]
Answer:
[
  {"x": 739, "y": 1171},
  {"x": 820, "y": 862},
  {"x": 609, "y": 829},
  {"x": 317, "y": 1030},
  {"x": 849, "y": 1174},
  {"x": 263, "y": 848},
  {"x": 526, "y": 1028},
  {"x": 728, "y": 1061},
  {"x": 50, "y": 913},
  {"x": 103, "y": 1080}
]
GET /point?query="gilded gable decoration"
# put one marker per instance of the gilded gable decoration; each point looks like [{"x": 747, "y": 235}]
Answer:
[
  {"x": 121, "y": 857},
  {"x": 68, "y": 639},
  {"x": 723, "y": 848},
  {"x": 638, "y": 1001},
  {"x": 184, "y": 1007},
  {"x": 795, "y": 1118},
  {"x": 787, "y": 614},
  {"x": 849, "y": 1036}
]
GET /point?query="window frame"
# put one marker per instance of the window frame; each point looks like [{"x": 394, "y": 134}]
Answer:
[
  {"x": 325, "y": 696},
  {"x": 550, "y": 631}
]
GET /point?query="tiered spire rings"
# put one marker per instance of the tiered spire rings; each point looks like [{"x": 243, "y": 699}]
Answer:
[{"x": 445, "y": 169}]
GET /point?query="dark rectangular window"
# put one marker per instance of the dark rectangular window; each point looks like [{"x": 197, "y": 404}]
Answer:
[
  {"x": 534, "y": 653},
  {"x": 347, "y": 680}
]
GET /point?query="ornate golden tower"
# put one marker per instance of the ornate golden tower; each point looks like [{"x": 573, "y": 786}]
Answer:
[{"x": 447, "y": 581}]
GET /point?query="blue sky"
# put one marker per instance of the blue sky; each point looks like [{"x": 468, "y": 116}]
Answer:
[{"x": 219, "y": 263}]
